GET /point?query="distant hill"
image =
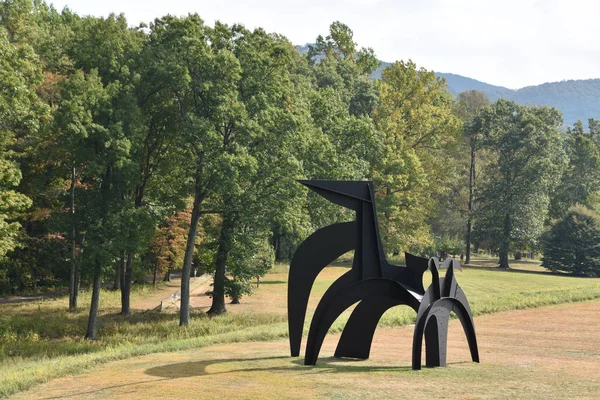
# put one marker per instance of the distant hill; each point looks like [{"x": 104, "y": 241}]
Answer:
[{"x": 577, "y": 99}]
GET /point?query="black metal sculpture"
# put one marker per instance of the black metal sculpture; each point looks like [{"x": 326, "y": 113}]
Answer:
[{"x": 373, "y": 282}]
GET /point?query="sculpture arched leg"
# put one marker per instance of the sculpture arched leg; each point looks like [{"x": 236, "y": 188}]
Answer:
[
  {"x": 357, "y": 335},
  {"x": 340, "y": 285},
  {"x": 329, "y": 309},
  {"x": 436, "y": 340},
  {"x": 314, "y": 254},
  {"x": 432, "y": 342},
  {"x": 439, "y": 309}
]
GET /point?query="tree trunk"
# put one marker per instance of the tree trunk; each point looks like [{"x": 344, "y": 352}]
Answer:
[
  {"x": 73, "y": 282},
  {"x": 73, "y": 299},
  {"x": 122, "y": 277},
  {"x": 126, "y": 286},
  {"x": 167, "y": 275},
  {"x": 505, "y": 246},
  {"x": 119, "y": 268},
  {"x": 93, "y": 318},
  {"x": 470, "y": 206},
  {"x": 155, "y": 275},
  {"x": 218, "y": 298},
  {"x": 277, "y": 244},
  {"x": 127, "y": 271},
  {"x": 184, "y": 311}
]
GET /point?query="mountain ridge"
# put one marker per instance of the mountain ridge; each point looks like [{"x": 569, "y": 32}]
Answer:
[{"x": 577, "y": 99}]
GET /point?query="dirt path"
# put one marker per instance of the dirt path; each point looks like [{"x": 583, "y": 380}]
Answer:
[
  {"x": 198, "y": 288},
  {"x": 549, "y": 353},
  {"x": 22, "y": 299}
]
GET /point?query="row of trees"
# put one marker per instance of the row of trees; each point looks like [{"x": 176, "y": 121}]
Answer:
[{"x": 127, "y": 152}]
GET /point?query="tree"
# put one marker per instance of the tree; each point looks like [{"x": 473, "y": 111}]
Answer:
[
  {"x": 250, "y": 258},
  {"x": 20, "y": 114},
  {"x": 344, "y": 143},
  {"x": 468, "y": 106},
  {"x": 264, "y": 159},
  {"x": 573, "y": 243},
  {"x": 581, "y": 178},
  {"x": 142, "y": 126},
  {"x": 526, "y": 161},
  {"x": 196, "y": 67},
  {"x": 339, "y": 45},
  {"x": 73, "y": 124},
  {"x": 415, "y": 117}
]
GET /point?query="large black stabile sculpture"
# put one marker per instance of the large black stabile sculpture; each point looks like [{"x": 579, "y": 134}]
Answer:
[{"x": 373, "y": 282}]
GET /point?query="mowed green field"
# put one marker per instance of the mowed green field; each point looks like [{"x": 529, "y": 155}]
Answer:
[
  {"x": 488, "y": 290},
  {"x": 41, "y": 341}
]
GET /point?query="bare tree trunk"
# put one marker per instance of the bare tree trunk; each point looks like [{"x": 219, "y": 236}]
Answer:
[
  {"x": 505, "y": 246},
  {"x": 167, "y": 277},
  {"x": 155, "y": 275},
  {"x": 119, "y": 268},
  {"x": 470, "y": 206},
  {"x": 93, "y": 318},
  {"x": 184, "y": 311},
  {"x": 218, "y": 298},
  {"x": 74, "y": 281},
  {"x": 122, "y": 274},
  {"x": 75, "y": 297},
  {"x": 277, "y": 243},
  {"x": 126, "y": 286}
]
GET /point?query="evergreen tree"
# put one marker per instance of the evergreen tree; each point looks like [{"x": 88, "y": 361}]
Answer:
[{"x": 573, "y": 243}]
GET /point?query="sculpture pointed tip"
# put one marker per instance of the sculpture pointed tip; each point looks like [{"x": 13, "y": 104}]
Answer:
[{"x": 305, "y": 182}]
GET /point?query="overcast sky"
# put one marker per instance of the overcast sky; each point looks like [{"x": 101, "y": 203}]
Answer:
[{"x": 512, "y": 43}]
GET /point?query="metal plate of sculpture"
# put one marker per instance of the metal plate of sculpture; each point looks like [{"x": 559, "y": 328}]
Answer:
[{"x": 373, "y": 282}]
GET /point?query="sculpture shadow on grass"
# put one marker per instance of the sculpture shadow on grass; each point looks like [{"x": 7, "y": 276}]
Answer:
[{"x": 199, "y": 368}]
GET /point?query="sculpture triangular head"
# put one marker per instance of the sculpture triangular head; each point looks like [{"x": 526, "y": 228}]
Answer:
[{"x": 347, "y": 194}]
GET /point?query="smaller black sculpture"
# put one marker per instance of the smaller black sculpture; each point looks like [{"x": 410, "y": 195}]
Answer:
[{"x": 373, "y": 282}]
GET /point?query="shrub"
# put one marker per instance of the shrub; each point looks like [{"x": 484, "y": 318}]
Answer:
[{"x": 573, "y": 243}]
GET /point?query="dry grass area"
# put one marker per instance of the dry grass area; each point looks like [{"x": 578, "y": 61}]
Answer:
[{"x": 545, "y": 353}]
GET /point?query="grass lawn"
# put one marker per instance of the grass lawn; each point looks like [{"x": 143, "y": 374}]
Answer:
[
  {"x": 40, "y": 341},
  {"x": 528, "y": 354}
]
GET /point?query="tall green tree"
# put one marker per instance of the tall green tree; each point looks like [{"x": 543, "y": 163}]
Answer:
[
  {"x": 270, "y": 142},
  {"x": 419, "y": 129},
  {"x": 21, "y": 113},
  {"x": 114, "y": 50},
  {"x": 201, "y": 73},
  {"x": 526, "y": 162},
  {"x": 75, "y": 121},
  {"x": 342, "y": 101},
  {"x": 581, "y": 179},
  {"x": 468, "y": 105}
]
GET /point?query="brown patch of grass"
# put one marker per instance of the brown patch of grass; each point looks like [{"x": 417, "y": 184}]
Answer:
[{"x": 548, "y": 353}]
